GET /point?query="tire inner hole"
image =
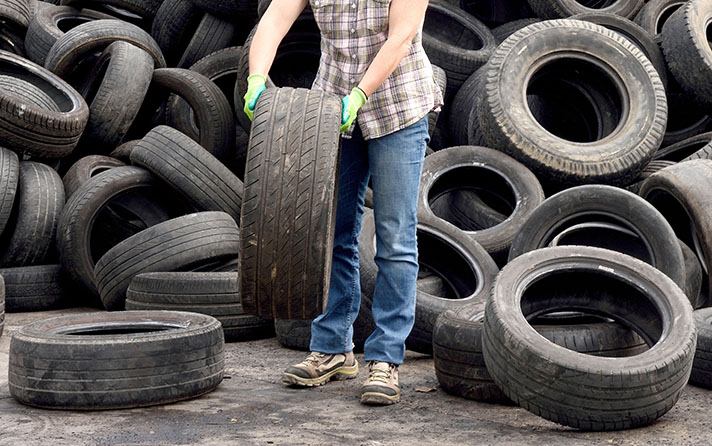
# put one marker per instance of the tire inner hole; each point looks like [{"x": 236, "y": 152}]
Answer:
[
  {"x": 596, "y": 4},
  {"x": 444, "y": 29},
  {"x": 472, "y": 198},
  {"x": 575, "y": 100},
  {"x": 594, "y": 293},
  {"x": 665, "y": 15},
  {"x": 67, "y": 23}
]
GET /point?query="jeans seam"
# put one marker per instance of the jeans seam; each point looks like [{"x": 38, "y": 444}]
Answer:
[{"x": 353, "y": 286}]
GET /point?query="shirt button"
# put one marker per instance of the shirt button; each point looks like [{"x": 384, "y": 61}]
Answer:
[
  {"x": 353, "y": 5},
  {"x": 353, "y": 56},
  {"x": 316, "y": 3},
  {"x": 353, "y": 80},
  {"x": 353, "y": 30}
]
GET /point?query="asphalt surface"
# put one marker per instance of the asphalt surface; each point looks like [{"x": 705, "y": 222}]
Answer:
[{"x": 251, "y": 407}]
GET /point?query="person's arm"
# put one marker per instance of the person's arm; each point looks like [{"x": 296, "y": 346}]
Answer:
[
  {"x": 273, "y": 26},
  {"x": 404, "y": 19}
]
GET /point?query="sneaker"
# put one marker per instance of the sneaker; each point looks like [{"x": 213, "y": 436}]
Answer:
[
  {"x": 319, "y": 368},
  {"x": 381, "y": 387}
]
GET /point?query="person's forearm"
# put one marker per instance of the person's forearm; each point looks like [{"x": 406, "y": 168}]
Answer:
[
  {"x": 273, "y": 26},
  {"x": 385, "y": 62}
]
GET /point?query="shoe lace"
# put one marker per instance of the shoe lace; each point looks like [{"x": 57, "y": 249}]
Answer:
[
  {"x": 313, "y": 359},
  {"x": 379, "y": 374}
]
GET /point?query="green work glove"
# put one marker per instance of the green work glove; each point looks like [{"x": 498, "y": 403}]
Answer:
[
  {"x": 350, "y": 106},
  {"x": 255, "y": 87}
]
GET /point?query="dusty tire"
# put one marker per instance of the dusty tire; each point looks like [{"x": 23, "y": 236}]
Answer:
[
  {"x": 179, "y": 244},
  {"x": 616, "y": 147},
  {"x": 555, "y": 9},
  {"x": 288, "y": 210},
  {"x": 9, "y": 177},
  {"x": 695, "y": 147},
  {"x": 651, "y": 238},
  {"x": 109, "y": 208},
  {"x": 578, "y": 390},
  {"x": 687, "y": 51},
  {"x": 84, "y": 169},
  {"x": 173, "y": 27},
  {"x": 213, "y": 34},
  {"x": 293, "y": 333},
  {"x": 503, "y": 185},
  {"x": 693, "y": 276},
  {"x": 168, "y": 356},
  {"x": 44, "y": 29},
  {"x": 653, "y": 15},
  {"x": 702, "y": 366},
  {"x": 211, "y": 293},
  {"x": 189, "y": 169},
  {"x": 230, "y": 8},
  {"x": 36, "y": 131},
  {"x": 29, "y": 239},
  {"x": 34, "y": 288}
]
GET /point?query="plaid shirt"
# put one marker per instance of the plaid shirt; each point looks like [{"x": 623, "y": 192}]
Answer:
[{"x": 352, "y": 32}]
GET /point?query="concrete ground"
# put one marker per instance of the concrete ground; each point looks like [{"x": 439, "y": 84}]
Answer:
[{"x": 252, "y": 407}]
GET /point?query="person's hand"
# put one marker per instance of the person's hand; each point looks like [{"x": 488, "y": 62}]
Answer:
[
  {"x": 350, "y": 106},
  {"x": 255, "y": 87}
]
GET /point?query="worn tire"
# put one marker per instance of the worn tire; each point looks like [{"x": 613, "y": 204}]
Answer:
[
  {"x": 630, "y": 140},
  {"x": 173, "y": 27},
  {"x": 288, "y": 208},
  {"x": 153, "y": 357},
  {"x": 30, "y": 235},
  {"x": 34, "y": 288},
  {"x": 230, "y": 8},
  {"x": 555, "y": 9},
  {"x": 211, "y": 293},
  {"x": 695, "y": 147},
  {"x": 191, "y": 170},
  {"x": 293, "y": 333},
  {"x": 213, "y": 34},
  {"x": 182, "y": 243},
  {"x": 702, "y": 365},
  {"x": 84, "y": 169},
  {"x": 9, "y": 177},
  {"x": 499, "y": 181},
  {"x": 109, "y": 208},
  {"x": 654, "y": 13},
  {"x": 578, "y": 390}
]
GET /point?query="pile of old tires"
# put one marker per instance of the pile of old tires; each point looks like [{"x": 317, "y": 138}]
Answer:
[{"x": 564, "y": 229}]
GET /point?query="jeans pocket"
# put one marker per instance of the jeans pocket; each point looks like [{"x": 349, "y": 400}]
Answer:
[{"x": 377, "y": 15}]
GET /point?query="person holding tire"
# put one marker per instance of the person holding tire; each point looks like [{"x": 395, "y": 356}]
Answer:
[{"x": 372, "y": 55}]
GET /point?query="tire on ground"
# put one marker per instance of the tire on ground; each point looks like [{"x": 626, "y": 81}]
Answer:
[{"x": 34, "y": 288}]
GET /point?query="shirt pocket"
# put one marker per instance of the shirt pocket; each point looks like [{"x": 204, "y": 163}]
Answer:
[
  {"x": 377, "y": 14},
  {"x": 323, "y": 11}
]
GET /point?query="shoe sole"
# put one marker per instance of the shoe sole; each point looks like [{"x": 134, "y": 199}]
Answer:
[
  {"x": 339, "y": 374},
  {"x": 379, "y": 399}
]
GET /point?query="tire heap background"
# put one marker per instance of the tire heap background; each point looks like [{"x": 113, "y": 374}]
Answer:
[{"x": 163, "y": 144}]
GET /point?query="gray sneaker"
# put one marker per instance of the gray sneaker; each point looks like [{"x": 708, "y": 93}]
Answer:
[
  {"x": 319, "y": 368},
  {"x": 381, "y": 387}
]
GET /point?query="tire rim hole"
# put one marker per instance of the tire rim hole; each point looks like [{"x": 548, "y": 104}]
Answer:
[
  {"x": 482, "y": 196},
  {"x": 66, "y": 24},
  {"x": 7, "y": 67},
  {"x": 575, "y": 99},
  {"x": 595, "y": 293},
  {"x": 118, "y": 328},
  {"x": 603, "y": 233},
  {"x": 665, "y": 15},
  {"x": 596, "y": 4},
  {"x": 444, "y": 28},
  {"x": 306, "y": 62}
]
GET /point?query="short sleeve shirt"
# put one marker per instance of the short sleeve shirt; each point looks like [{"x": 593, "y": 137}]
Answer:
[{"x": 352, "y": 32}]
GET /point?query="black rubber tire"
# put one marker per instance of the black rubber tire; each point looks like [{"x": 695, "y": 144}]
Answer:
[
  {"x": 123, "y": 360},
  {"x": 229, "y": 8},
  {"x": 91, "y": 37},
  {"x": 173, "y": 27},
  {"x": 2, "y": 305},
  {"x": 295, "y": 64},
  {"x": 44, "y": 29},
  {"x": 179, "y": 244},
  {"x": 221, "y": 68},
  {"x": 191, "y": 170},
  {"x": 9, "y": 177},
  {"x": 17, "y": 12},
  {"x": 578, "y": 390},
  {"x": 456, "y": 42},
  {"x": 695, "y": 147},
  {"x": 686, "y": 118},
  {"x": 460, "y": 364},
  {"x": 505, "y": 30},
  {"x": 556, "y": 9},
  {"x": 213, "y": 34},
  {"x": 463, "y": 122},
  {"x": 114, "y": 91},
  {"x": 34, "y": 288},
  {"x": 681, "y": 194},
  {"x": 30, "y": 233},
  {"x": 600, "y": 203},
  {"x": 633, "y": 32},
  {"x": 650, "y": 168},
  {"x": 289, "y": 204},
  {"x": 508, "y": 123},
  {"x": 26, "y": 91},
  {"x": 36, "y": 131},
  {"x": 440, "y": 78},
  {"x": 104, "y": 211},
  {"x": 144, "y": 8},
  {"x": 211, "y": 293},
  {"x": 293, "y": 333},
  {"x": 213, "y": 113},
  {"x": 702, "y": 365},
  {"x": 84, "y": 169},
  {"x": 500, "y": 180},
  {"x": 687, "y": 51},
  {"x": 445, "y": 251},
  {"x": 693, "y": 276},
  {"x": 654, "y": 13},
  {"x": 123, "y": 152},
  {"x": 496, "y": 12}
]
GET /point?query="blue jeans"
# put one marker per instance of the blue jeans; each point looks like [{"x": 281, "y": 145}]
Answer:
[{"x": 394, "y": 164}]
